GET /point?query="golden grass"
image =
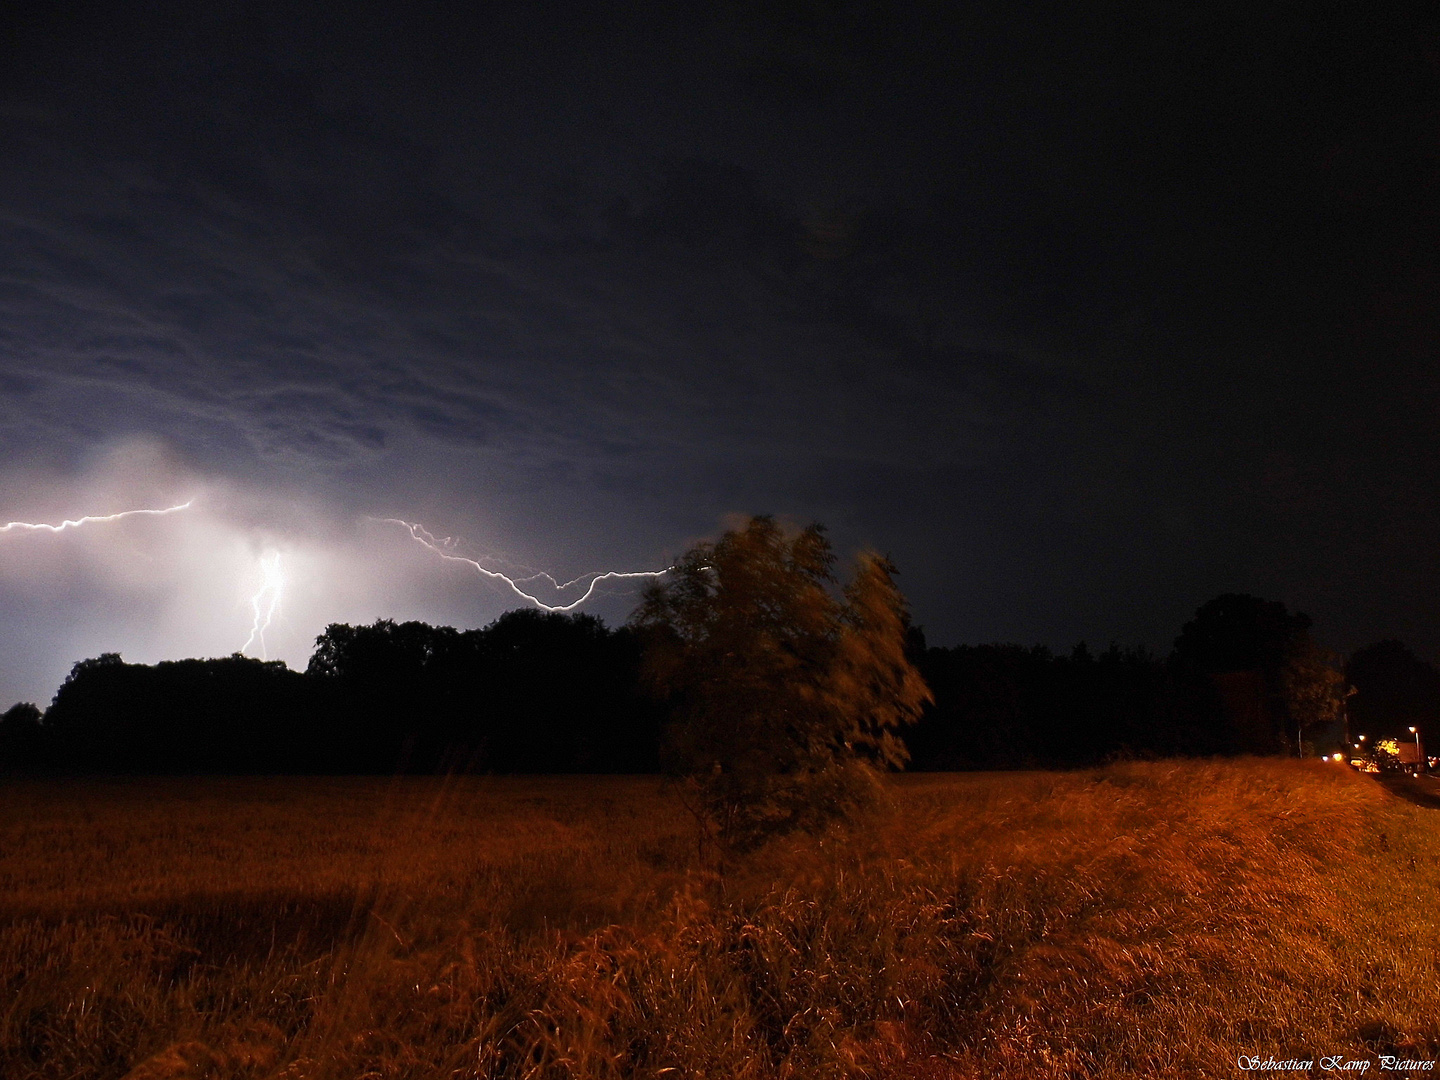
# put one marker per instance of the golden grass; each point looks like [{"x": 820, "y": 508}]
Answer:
[{"x": 1152, "y": 920}]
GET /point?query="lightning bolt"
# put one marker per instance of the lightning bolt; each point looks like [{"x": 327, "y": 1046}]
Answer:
[
  {"x": 265, "y": 601},
  {"x": 442, "y": 547},
  {"x": 26, "y": 526}
]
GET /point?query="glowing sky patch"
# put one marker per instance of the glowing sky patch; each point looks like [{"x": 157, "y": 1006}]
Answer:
[{"x": 124, "y": 565}]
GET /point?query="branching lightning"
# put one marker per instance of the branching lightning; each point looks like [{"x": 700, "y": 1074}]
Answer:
[
  {"x": 266, "y": 599},
  {"x": 265, "y": 602},
  {"x": 26, "y": 526},
  {"x": 590, "y": 581}
]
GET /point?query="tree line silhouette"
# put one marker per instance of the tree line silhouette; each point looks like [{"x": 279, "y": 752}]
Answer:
[
  {"x": 539, "y": 692},
  {"x": 532, "y": 692}
]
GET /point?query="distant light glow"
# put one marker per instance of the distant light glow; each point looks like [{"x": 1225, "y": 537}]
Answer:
[
  {"x": 265, "y": 602},
  {"x": 443, "y": 548},
  {"x": 90, "y": 519}
]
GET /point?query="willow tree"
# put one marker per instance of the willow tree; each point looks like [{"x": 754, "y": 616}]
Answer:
[{"x": 786, "y": 692}]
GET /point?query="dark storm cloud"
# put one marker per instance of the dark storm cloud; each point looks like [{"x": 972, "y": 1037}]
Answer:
[
  {"x": 1085, "y": 313},
  {"x": 689, "y": 314}
]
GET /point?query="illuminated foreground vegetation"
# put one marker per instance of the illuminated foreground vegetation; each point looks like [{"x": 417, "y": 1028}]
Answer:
[{"x": 1140, "y": 920}]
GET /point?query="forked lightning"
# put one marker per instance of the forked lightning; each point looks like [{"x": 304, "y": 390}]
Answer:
[
  {"x": 422, "y": 536},
  {"x": 265, "y": 601}
]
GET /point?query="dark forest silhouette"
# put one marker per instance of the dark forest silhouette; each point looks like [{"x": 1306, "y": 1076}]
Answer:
[
  {"x": 538, "y": 692},
  {"x": 532, "y": 692}
]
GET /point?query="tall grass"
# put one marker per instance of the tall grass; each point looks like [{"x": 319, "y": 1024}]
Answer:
[{"x": 1140, "y": 920}]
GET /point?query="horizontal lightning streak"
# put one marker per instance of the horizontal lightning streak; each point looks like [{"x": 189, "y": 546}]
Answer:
[
  {"x": 25, "y": 526},
  {"x": 422, "y": 536}
]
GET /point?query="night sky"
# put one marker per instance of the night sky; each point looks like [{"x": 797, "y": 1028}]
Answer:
[{"x": 1084, "y": 313}]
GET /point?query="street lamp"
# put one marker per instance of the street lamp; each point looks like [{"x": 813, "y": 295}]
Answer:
[{"x": 1418, "y": 759}]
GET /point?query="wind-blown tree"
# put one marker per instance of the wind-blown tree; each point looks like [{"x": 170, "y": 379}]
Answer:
[
  {"x": 1315, "y": 690},
  {"x": 785, "y": 697}
]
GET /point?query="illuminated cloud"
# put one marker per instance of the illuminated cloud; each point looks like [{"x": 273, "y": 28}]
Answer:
[{"x": 231, "y": 568}]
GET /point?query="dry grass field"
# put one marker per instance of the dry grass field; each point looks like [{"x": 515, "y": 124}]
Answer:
[{"x": 1146, "y": 920}]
